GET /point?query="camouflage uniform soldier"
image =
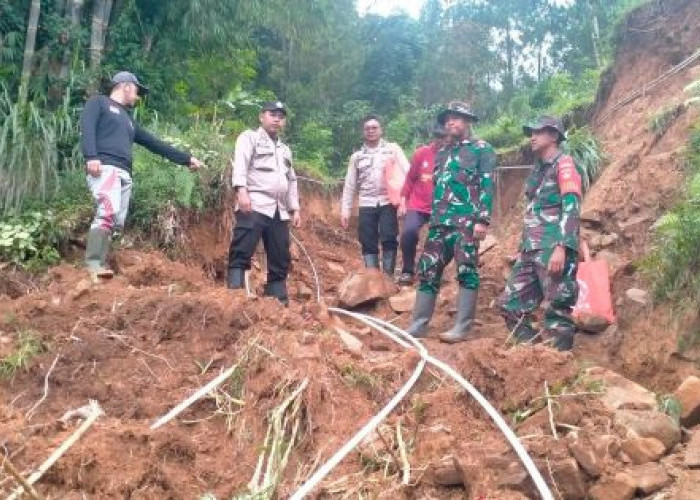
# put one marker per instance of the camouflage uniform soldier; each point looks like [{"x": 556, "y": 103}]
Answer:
[
  {"x": 546, "y": 265},
  {"x": 461, "y": 214}
]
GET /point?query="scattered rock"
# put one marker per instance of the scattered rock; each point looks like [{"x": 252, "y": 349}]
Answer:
[
  {"x": 621, "y": 393},
  {"x": 615, "y": 262},
  {"x": 688, "y": 395},
  {"x": 649, "y": 478},
  {"x": 568, "y": 413},
  {"x": 446, "y": 472},
  {"x": 620, "y": 487},
  {"x": 308, "y": 338},
  {"x": 638, "y": 296},
  {"x": 569, "y": 479},
  {"x": 351, "y": 342},
  {"x": 362, "y": 287},
  {"x": 603, "y": 240},
  {"x": 591, "y": 217},
  {"x": 642, "y": 450},
  {"x": 404, "y": 301},
  {"x": 335, "y": 268},
  {"x": 692, "y": 452},
  {"x": 516, "y": 478},
  {"x": 586, "y": 458},
  {"x": 304, "y": 292},
  {"x": 591, "y": 323},
  {"x": 80, "y": 289},
  {"x": 652, "y": 424},
  {"x": 607, "y": 445},
  {"x": 635, "y": 224},
  {"x": 688, "y": 486}
]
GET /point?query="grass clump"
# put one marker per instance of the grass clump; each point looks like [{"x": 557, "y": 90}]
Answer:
[
  {"x": 660, "y": 122},
  {"x": 28, "y": 346},
  {"x": 587, "y": 153}
]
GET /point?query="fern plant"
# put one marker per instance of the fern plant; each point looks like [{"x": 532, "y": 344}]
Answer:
[{"x": 587, "y": 153}]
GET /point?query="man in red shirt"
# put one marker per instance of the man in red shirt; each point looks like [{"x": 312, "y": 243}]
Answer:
[{"x": 416, "y": 200}]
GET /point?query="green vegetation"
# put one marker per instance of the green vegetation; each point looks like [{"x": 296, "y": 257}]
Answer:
[
  {"x": 585, "y": 148},
  {"x": 674, "y": 263},
  {"x": 660, "y": 122},
  {"x": 209, "y": 65},
  {"x": 27, "y": 347},
  {"x": 30, "y": 240}
]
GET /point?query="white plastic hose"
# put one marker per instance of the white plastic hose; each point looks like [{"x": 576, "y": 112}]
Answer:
[
  {"x": 520, "y": 450},
  {"x": 370, "y": 426}
]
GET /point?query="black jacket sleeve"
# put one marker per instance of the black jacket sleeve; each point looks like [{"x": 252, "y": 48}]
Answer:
[
  {"x": 159, "y": 147},
  {"x": 88, "y": 124}
]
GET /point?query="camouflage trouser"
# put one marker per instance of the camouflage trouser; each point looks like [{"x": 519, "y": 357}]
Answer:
[
  {"x": 443, "y": 244},
  {"x": 528, "y": 285}
]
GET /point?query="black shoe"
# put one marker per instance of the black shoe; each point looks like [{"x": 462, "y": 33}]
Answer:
[
  {"x": 389, "y": 262},
  {"x": 277, "y": 289},
  {"x": 406, "y": 279},
  {"x": 371, "y": 260},
  {"x": 236, "y": 278}
]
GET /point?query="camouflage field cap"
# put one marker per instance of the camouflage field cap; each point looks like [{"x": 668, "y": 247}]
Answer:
[
  {"x": 544, "y": 122},
  {"x": 459, "y": 109}
]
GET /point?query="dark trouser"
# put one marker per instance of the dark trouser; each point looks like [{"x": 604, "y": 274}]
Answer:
[
  {"x": 375, "y": 225},
  {"x": 529, "y": 284},
  {"x": 412, "y": 224},
  {"x": 275, "y": 235}
]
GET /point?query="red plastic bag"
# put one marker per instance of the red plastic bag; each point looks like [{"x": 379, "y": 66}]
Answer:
[
  {"x": 594, "y": 309},
  {"x": 395, "y": 178}
]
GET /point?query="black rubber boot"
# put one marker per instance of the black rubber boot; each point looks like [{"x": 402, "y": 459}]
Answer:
[
  {"x": 422, "y": 313},
  {"x": 236, "y": 278},
  {"x": 371, "y": 260},
  {"x": 466, "y": 310},
  {"x": 389, "y": 262},
  {"x": 278, "y": 289}
]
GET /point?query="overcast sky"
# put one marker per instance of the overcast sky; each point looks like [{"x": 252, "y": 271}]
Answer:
[{"x": 386, "y": 7}]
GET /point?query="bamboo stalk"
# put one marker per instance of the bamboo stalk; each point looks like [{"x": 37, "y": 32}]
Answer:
[
  {"x": 28, "y": 488},
  {"x": 95, "y": 413}
]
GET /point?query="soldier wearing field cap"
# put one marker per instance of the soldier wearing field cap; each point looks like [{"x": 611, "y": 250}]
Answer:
[
  {"x": 267, "y": 198},
  {"x": 547, "y": 262},
  {"x": 460, "y": 218}
]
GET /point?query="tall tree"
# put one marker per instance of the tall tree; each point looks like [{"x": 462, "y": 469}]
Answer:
[{"x": 29, "y": 49}]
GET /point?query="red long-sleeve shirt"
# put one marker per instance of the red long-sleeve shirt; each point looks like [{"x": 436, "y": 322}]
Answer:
[{"x": 418, "y": 188}]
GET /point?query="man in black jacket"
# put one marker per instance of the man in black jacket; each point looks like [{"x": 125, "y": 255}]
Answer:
[{"x": 108, "y": 134}]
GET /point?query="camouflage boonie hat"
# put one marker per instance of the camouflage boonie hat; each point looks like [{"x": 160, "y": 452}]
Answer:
[
  {"x": 459, "y": 109},
  {"x": 274, "y": 106},
  {"x": 544, "y": 122}
]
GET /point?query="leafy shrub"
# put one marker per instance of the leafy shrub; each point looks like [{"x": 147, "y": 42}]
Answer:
[
  {"x": 506, "y": 131},
  {"x": 30, "y": 241},
  {"x": 660, "y": 122},
  {"x": 673, "y": 265},
  {"x": 587, "y": 152}
]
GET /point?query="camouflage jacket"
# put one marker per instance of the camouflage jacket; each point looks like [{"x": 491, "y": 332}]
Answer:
[
  {"x": 553, "y": 193},
  {"x": 463, "y": 179}
]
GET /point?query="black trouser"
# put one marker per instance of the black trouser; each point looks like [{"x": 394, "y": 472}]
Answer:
[
  {"x": 409, "y": 238},
  {"x": 274, "y": 232},
  {"x": 377, "y": 224}
]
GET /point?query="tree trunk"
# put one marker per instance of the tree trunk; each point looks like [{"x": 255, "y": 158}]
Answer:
[
  {"x": 595, "y": 35},
  {"x": 73, "y": 12},
  {"x": 100, "y": 21},
  {"x": 510, "y": 83},
  {"x": 29, "y": 46}
]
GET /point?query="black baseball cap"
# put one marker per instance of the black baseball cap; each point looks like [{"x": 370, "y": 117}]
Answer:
[
  {"x": 544, "y": 122},
  {"x": 127, "y": 77},
  {"x": 275, "y": 106}
]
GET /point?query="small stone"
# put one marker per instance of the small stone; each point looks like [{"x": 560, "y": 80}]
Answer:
[
  {"x": 615, "y": 262},
  {"x": 362, "y": 287},
  {"x": 351, "y": 342},
  {"x": 569, "y": 413},
  {"x": 335, "y": 268},
  {"x": 404, "y": 301},
  {"x": 649, "y": 478},
  {"x": 569, "y": 479},
  {"x": 621, "y": 393},
  {"x": 688, "y": 395},
  {"x": 638, "y": 296},
  {"x": 586, "y": 458},
  {"x": 514, "y": 477},
  {"x": 304, "y": 292},
  {"x": 489, "y": 242},
  {"x": 620, "y": 487},
  {"x": 652, "y": 424},
  {"x": 80, "y": 289},
  {"x": 692, "y": 451},
  {"x": 591, "y": 217},
  {"x": 307, "y": 338},
  {"x": 446, "y": 472},
  {"x": 642, "y": 450}
]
